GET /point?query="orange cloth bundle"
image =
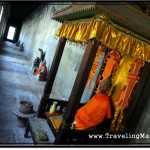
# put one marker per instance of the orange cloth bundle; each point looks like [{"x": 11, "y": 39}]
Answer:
[
  {"x": 42, "y": 68},
  {"x": 42, "y": 72},
  {"x": 94, "y": 112},
  {"x": 56, "y": 122}
]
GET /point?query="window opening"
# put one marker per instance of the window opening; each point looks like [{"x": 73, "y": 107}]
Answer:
[
  {"x": 1, "y": 13},
  {"x": 11, "y": 33}
]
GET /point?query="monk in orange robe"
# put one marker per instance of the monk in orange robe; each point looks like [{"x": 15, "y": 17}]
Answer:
[{"x": 96, "y": 110}]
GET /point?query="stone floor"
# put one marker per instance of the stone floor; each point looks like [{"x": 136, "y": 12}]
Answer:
[{"x": 16, "y": 81}]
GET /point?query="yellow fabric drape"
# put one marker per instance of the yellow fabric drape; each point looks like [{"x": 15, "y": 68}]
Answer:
[
  {"x": 109, "y": 33},
  {"x": 119, "y": 80}
]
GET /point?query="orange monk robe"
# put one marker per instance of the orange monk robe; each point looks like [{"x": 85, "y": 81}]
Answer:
[
  {"x": 43, "y": 69},
  {"x": 94, "y": 112}
]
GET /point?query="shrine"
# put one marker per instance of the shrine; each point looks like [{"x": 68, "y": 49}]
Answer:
[
  {"x": 126, "y": 59},
  {"x": 74, "y": 73}
]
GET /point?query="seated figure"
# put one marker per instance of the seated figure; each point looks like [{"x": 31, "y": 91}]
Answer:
[
  {"x": 21, "y": 47},
  {"x": 18, "y": 43},
  {"x": 96, "y": 110},
  {"x": 42, "y": 71},
  {"x": 36, "y": 62}
]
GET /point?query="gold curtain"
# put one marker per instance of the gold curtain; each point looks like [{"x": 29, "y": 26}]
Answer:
[
  {"x": 109, "y": 33},
  {"x": 119, "y": 80}
]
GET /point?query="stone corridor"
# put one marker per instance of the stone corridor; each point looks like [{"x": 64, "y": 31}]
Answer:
[{"x": 16, "y": 81}]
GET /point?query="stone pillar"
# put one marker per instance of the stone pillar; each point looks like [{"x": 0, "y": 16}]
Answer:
[{"x": 51, "y": 76}]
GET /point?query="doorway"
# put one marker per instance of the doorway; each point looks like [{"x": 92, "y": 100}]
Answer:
[{"x": 11, "y": 33}]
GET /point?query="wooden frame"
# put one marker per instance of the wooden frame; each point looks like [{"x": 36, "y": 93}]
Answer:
[
  {"x": 51, "y": 77},
  {"x": 78, "y": 89}
]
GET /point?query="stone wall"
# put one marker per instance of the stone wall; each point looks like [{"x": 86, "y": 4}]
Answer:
[{"x": 38, "y": 31}]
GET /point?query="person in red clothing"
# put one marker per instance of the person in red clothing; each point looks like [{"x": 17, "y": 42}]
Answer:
[
  {"x": 42, "y": 71},
  {"x": 96, "y": 110}
]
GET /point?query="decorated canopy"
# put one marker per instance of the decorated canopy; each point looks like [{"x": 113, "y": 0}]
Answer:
[
  {"x": 108, "y": 33},
  {"x": 130, "y": 44}
]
